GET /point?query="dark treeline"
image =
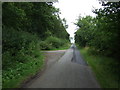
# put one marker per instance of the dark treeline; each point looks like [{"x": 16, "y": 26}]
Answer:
[
  {"x": 28, "y": 28},
  {"x": 25, "y": 22},
  {"x": 39, "y": 18},
  {"x": 102, "y": 33}
]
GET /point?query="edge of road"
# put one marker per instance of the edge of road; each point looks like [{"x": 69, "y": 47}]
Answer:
[{"x": 39, "y": 72}]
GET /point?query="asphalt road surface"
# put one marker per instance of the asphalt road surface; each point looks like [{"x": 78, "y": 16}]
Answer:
[{"x": 70, "y": 71}]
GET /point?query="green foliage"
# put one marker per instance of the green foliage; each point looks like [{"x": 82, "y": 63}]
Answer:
[
  {"x": 45, "y": 45},
  {"x": 105, "y": 68},
  {"x": 16, "y": 40},
  {"x": 27, "y": 28},
  {"x": 102, "y": 32},
  {"x": 101, "y": 35},
  {"x": 21, "y": 55},
  {"x": 52, "y": 43},
  {"x": 86, "y": 30},
  {"x": 55, "y": 42},
  {"x": 19, "y": 72},
  {"x": 17, "y": 44},
  {"x": 34, "y": 18}
]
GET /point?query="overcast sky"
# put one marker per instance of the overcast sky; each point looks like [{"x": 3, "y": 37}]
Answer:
[{"x": 71, "y": 9}]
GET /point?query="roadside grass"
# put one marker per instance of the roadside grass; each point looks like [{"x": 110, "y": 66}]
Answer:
[
  {"x": 14, "y": 77},
  {"x": 105, "y": 69}
]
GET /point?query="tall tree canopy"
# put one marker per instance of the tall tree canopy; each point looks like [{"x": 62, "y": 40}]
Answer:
[
  {"x": 28, "y": 27},
  {"x": 34, "y": 18},
  {"x": 102, "y": 32}
]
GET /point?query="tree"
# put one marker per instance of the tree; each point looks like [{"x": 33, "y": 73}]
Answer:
[
  {"x": 102, "y": 32},
  {"x": 86, "y": 30}
]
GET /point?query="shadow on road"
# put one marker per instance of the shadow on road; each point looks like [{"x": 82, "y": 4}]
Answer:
[{"x": 77, "y": 58}]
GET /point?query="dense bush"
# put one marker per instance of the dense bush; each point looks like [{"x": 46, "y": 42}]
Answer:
[
  {"x": 55, "y": 42},
  {"x": 52, "y": 43},
  {"x": 101, "y": 33},
  {"x": 17, "y": 45},
  {"x": 45, "y": 45},
  {"x": 26, "y": 25},
  {"x": 21, "y": 52},
  {"x": 37, "y": 17}
]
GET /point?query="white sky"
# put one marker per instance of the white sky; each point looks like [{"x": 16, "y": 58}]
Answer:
[{"x": 71, "y": 9}]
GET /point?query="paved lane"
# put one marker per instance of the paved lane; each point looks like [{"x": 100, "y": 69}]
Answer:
[
  {"x": 77, "y": 58},
  {"x": 66, "y": 74}
]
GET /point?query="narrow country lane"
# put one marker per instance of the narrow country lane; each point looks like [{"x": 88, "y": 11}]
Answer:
[{"x": 70, "y": 71}]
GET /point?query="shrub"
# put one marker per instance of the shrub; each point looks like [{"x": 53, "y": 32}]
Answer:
[
  {"x": 17, "y": 45},
  {"x": 54, "y": 41},
  {"x": 45, "y": 45},
  {"x": 21, "y": 56}
]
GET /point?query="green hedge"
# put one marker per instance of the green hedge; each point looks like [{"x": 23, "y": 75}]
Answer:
[
  {"x": 21, "y": 56},
  {"x": 52, "y": 43}
]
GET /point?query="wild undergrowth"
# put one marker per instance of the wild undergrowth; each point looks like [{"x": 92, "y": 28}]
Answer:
[
  {"x": 21, "y": 57},
  {"x": 106, "y": 69}
]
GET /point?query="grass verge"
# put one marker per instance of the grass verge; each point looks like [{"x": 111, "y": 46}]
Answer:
[
  {"x": 105, "y": 69},
  {"x": 13, "y": 77}
]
